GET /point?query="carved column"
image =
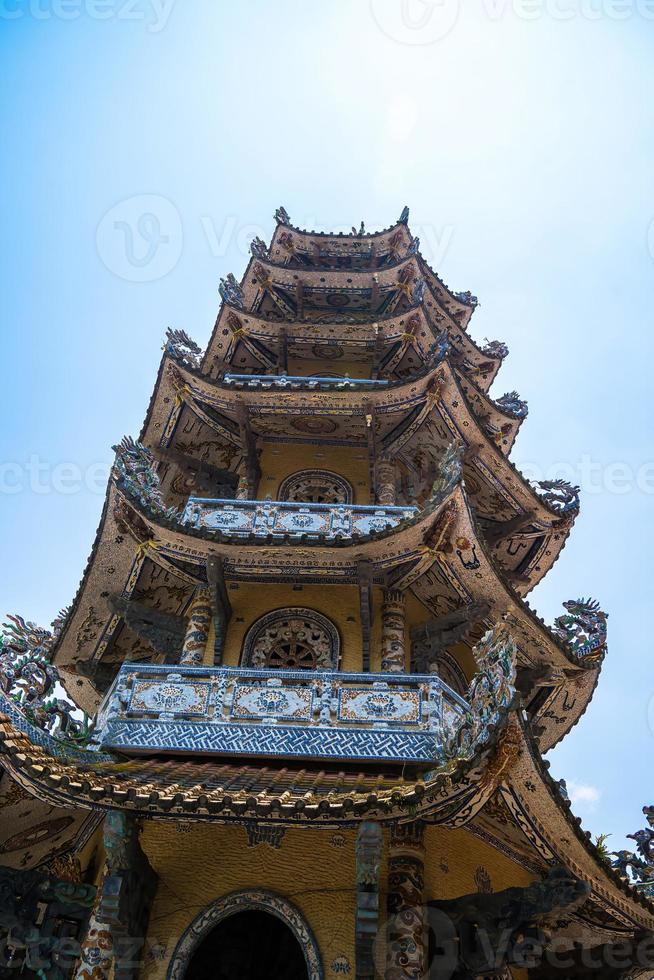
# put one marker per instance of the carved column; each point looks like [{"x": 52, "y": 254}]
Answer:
[
  {"x": 393, "y": 629},
  {"x": 96, "y": 960},
  {"x": 368, "y": 852},
  {"x": 406, "y": 951},
  {"x": 243, "y": 487},
  {"x": 197, "y": 630},
  {"x": 386, "y": 493}
]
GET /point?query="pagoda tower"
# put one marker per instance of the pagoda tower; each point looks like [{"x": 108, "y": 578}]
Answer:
[{"x": 307, "y": 699}]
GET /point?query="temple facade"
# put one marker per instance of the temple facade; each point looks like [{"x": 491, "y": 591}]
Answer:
[{"x": 292, "y": 725}]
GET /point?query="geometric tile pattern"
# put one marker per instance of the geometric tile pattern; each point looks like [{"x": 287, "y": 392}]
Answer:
[{"x": 286, "y": 713}]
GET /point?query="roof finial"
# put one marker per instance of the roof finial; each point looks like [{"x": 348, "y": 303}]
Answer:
[
  {"x": 281, "y": 216},
  {"x": 404, "y": 217}
]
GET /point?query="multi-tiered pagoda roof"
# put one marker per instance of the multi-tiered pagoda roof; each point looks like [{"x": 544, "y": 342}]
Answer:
[{"x": 337, "y": 434}]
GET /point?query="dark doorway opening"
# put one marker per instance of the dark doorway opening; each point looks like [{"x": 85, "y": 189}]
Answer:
[{"x": 250, "y": 945}]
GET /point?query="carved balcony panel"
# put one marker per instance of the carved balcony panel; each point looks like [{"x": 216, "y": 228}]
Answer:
[
  {"x": 242, "y": 518},
  {"x": 280, "y": 713},
  {"x": 293, "y": 382}
]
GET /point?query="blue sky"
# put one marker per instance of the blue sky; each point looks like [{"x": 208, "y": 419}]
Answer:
[{"x": 519, "y": 133}]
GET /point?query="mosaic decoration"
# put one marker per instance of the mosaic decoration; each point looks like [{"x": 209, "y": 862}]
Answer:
[
  {"x": 262, "y": 834},
  {"x": 369, "y": 845},
  {"x": 291, "y": 639},
  {"x": 253, "y": 701},
  {"x": 639, "y": 867},
  {"x": 316, "y": 487},
  {"x": 393, "y": 631},
  {"x": 231, "y": 292},
  {"x": 197, "y": 629},
  {"x": 496, "y": 349},
  {"x": 242, "y": 901},
  {"x": 316, "y": 381},
  {"x": 135, "y": 473},
  {"x": 180, "y": 346},
  {"x": 263, "y": 518},
  {"x": 281, "y": 216},
  {"x": 400, "y": 706},
  {"x": 583, "y": 627},
  {"x": 512, "y": 404},
  {"x": 490, "y": 693},
  {"x": 406, "y": 952},
  {"x": 258, "y": 248},
  {"x": 560, "y": 495},
  {"x": 169, "y": 697},
  {"x": 340, "y": 966},
  {"x": 29, "y": 679},
  {"x": 285, "y": 713}
]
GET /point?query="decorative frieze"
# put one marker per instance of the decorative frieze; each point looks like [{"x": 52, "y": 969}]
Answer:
[
  {"x": 244, "y": 711},
  {"x": 280, "y": 519}
]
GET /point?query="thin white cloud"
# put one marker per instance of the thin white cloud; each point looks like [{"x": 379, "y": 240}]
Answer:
[{"x": 583, "y": 794}]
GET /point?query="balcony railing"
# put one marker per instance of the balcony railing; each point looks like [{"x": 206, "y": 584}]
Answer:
[
  {"x": 287, "y": 714},
  {"x": 280, "y": 518},
  {"x": 299, "y": 381}
]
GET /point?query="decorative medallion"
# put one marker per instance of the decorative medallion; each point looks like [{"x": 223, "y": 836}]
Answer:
[
  {"x": 314, "y": 426},
  {"x": 316, "y": 487},
  {"x": 292, "y": 639}
]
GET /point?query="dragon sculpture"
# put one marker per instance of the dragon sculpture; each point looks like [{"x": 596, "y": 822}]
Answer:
[
  {"x": 449, "y": 468},
  {"x": 230, "y": 291},
  {"x": 639, "y": 867},
  {"x": 180, "y": 346},
  {"x": 258, "y": 248},
  {"x": 583, "y": 627},
  {"x": 29, "y": 678},
  {"x": 135, "y": 473},
  {"x": 491, "y": 691},
  {"x": 418, "y": 293},
  {"x": 282, "y": 216},
  {"x": 512, "y": 404},
  {"x": 495, "y": 348},
  {"x": 560, "y": 495},
  {"x": 468, "y": 298}
]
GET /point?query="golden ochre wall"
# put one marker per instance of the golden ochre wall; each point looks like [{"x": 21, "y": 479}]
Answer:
[
  {"x": 277, "y": 462},
  {"x": 313, "y": 869},
  {"x": 340, "y": 603}
]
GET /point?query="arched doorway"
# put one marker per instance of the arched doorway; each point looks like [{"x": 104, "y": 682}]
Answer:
[
  {"x": 249, "y": 935},
  {"x": 252, "y": 945}
]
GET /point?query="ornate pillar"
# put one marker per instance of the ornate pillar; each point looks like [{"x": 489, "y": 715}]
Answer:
[
  {"x": 112, "y": 947},
  {"x": 406, "y": 951},
  {"x": 393, "y": 629},
  {"x": 197, "y": 629},
  {"x": 385, "y": 490},
  {"x": 368, "y": 852},
  {"x": 243, "y": 487}
]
